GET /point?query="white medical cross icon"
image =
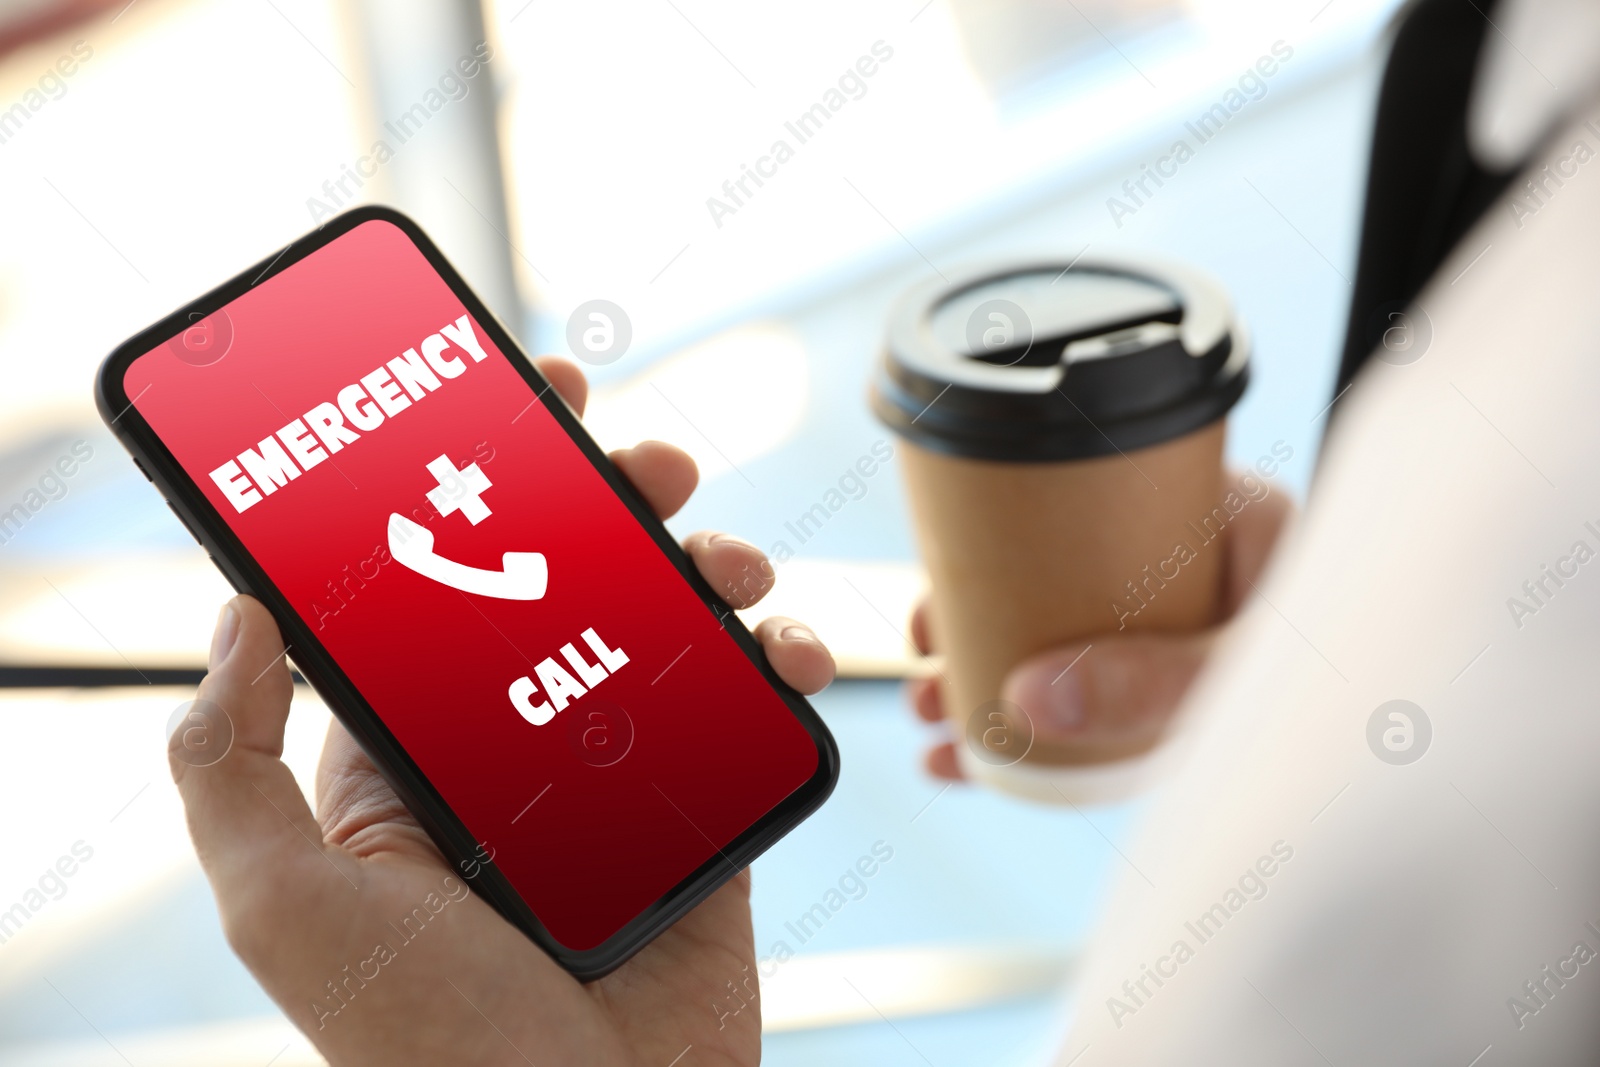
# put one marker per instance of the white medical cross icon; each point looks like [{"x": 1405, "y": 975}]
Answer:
[{"x": 459, "y": 490}]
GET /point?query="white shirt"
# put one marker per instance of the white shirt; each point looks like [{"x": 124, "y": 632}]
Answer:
[{"x": 1406, "y": 905}]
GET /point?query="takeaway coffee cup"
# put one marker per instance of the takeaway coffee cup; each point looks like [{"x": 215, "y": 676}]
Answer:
[{"x": 1062, "y": 429}]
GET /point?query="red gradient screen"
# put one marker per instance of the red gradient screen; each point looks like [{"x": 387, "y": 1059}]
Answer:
[{"x": 569, "y": 695}]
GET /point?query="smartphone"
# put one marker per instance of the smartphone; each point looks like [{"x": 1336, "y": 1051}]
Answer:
[{"x": 590, "y": 735}]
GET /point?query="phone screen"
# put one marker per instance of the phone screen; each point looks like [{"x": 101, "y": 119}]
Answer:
[{"x": 558, "y": 681}]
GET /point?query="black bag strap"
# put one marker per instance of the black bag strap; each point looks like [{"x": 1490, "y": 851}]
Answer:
[{"x": 1424, "y": 189}]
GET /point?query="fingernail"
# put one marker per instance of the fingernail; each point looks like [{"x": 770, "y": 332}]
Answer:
[
  {"x": 729, "y": 539},
  {"x": 1061, "y": 703},
  {"x": 227, "y": 633},
  {"x": 798, "y": 633}
]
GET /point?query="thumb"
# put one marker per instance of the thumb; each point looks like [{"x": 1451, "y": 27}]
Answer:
[
  {"x": 1106, "y": 699},
  {"x": 251, "y": 825}
]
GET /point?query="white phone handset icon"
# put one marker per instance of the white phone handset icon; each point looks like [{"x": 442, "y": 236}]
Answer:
[{"x": 523, "y": 575}]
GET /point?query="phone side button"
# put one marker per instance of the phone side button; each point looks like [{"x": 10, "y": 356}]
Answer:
[
  {"x": 142, "y": 471},
  {"x": 185, "y": 522}
]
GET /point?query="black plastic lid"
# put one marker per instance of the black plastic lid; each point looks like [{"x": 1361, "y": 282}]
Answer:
[{"x": 1046, "y": 361}]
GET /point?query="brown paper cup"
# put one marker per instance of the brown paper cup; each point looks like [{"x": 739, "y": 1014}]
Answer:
[
  {"x": 1063, "y": 428},
  {"x": 1026, "y": 557}
]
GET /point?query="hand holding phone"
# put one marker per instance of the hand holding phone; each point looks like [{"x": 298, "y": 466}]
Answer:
[
  {"x": 305, "y": 900},
  {"x": 482, "y": 597},
  {"x": 576, "y": 721}
]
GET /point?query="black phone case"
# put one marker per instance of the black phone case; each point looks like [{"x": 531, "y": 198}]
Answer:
[{"x": 325, "y": 676}]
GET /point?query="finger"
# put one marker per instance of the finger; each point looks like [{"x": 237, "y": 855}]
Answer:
[
  {"x": 925, "y": 699},
  {"x": 251, "y": 826},
  {"x": 568, "y": 380},
  {"x": 1111, "y": 698},
  {"x": 736, "y": 569},
  {"x": 921, "y": 636},
  {"x": 941, "y": 762},
  {"x": 1252, "y": 538},
  {"x": 796, "y": 654},
  {"x": 664, "y": 474}
]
